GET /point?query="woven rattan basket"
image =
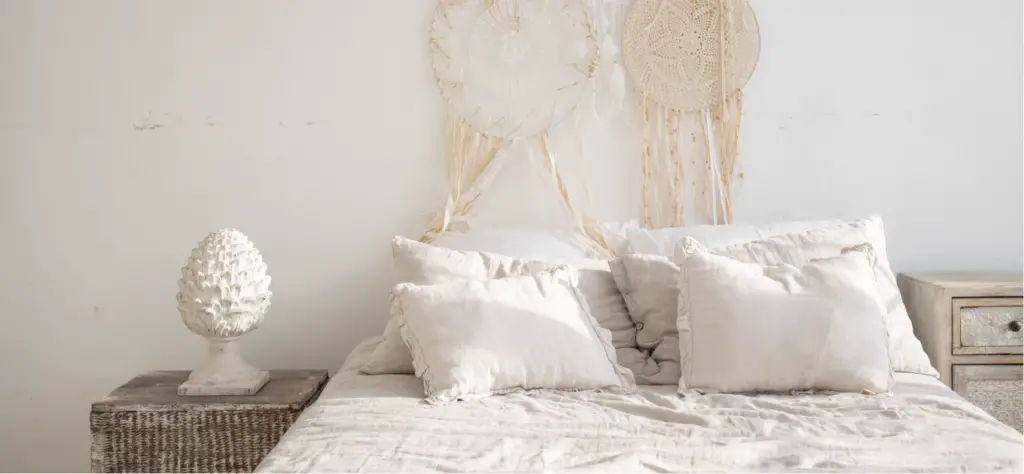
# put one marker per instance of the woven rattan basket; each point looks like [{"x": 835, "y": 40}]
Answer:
[{"x": 145, "y": 426}]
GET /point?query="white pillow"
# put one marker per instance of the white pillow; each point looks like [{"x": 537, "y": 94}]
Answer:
[
  {"x": 475, "y": 338},
  {"x": 750, "y": 327},
  {"x": 649, "y": 285},
  {"x": 416, "y": 262},
  {"x": 554, "y": 244},
  {"x": 799, "y": 248},
  {"x": 654, "y": 307},
  {"x": 540, "y": 243},
  {"x": 663, "y": 241}
]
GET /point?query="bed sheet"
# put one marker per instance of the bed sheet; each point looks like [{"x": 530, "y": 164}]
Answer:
[{"x": 381, "y": 424}]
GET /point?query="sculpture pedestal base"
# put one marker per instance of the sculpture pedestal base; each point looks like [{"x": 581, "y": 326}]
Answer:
[
  {"x": 225, "y": 373},
  {"x": 235, "y": 387}
]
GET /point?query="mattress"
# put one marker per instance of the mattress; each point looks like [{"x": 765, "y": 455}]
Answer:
[{"x": 381, "y": 424}]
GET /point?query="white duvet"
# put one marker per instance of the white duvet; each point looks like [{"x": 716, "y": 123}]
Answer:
[{"x": 380, "y": 423}]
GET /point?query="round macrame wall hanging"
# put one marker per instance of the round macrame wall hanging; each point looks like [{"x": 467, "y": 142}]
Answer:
[
  {"x": 672, "y": 49},
  {"x": 513, "y": 68},
  {"x": 689, "y": 60},
  {"x": 509, "y": 70}
]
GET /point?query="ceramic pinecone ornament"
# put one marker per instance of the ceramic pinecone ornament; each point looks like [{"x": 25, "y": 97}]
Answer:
[{"x": 223, "y": 294}]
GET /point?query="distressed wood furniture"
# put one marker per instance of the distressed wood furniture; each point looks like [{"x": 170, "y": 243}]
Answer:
[
  {"x": 970, "y": 325},
  {"x": 145, "y": 426}
]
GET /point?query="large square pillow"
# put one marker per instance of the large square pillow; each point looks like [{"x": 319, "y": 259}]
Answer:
[
  {"x": 663, "y": 241},
  {"x": 424, "y": 264},
  {"x": 752, "y": 327},
  {"x": 550, "y": 244},
  {"x": 475, "y": 338},
  {"x": 650, "y": 285},
  {"x": 553, "y": 244}
]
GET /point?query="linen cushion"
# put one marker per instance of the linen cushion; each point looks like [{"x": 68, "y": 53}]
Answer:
[
  {"x": 424, "y": 264},
  {"x": 649, "y": 284},
  {"x": 475, "y": 338},
  {"x": 551, "y": 244},
  {"x": 663, "y": 241},
  {"x": 554, "y": 244},
  {"x": 752, "y": 327}
]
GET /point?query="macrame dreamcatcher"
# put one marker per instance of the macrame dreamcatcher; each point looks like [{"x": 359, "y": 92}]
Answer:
[
  {"x": 689, "y": 59},
  {"x": 508, "y": 71}
]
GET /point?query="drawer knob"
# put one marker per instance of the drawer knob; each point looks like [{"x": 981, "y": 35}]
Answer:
[{"x": 1015, "y": 326}]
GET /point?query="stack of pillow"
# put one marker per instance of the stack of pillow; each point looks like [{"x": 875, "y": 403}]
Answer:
[{"x": 789, "y": 307}]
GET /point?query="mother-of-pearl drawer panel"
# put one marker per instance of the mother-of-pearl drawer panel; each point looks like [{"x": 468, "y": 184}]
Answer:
[
  {"x": 997, "y": 389},
  {"x": 988, "y": 326}
]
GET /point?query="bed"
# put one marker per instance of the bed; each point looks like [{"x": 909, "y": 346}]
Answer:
[{"x": 381, "y": 424}]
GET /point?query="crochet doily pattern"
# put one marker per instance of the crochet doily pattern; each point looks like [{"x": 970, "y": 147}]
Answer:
[
  {"x": 671, "y": 49},
  {"x": 513, "y": 68}
]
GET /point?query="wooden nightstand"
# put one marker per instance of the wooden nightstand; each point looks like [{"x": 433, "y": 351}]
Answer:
[
  {"x": 145, "y": 426},
  {"x": 970, "y": 324}
]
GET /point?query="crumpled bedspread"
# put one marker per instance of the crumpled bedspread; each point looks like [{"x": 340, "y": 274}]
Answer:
[{"x": 381, "y": 424}]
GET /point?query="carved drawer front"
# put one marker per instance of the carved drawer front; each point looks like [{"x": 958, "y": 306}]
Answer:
[
  {"x": 987, "y": 326},
  {"x": 997, "y": 389}
]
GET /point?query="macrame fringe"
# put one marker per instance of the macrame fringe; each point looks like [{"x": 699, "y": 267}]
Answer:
[
  {"x": 648, "y": 190},
  {"x": 469, "y": 157},
  {"x": 473, "y": 159},
  {"x": 714, "y": 142}
]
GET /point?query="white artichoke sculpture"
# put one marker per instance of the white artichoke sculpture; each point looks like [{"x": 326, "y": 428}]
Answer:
[{"x": 224, "y": 293}]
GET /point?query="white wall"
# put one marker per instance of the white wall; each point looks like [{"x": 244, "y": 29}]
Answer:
[{"x": 130, "y": 129}]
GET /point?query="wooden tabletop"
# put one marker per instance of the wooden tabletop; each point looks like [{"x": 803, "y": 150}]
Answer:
[
  {"x": 970, "y": 284},
  {"x": 968, "y": 278},
  {"x": 158, "y": 391}
]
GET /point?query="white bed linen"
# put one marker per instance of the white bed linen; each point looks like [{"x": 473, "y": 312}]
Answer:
[{"x": 380, "y": 423}]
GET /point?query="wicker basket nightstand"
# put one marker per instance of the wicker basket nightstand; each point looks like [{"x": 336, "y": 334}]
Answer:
[{"x": 145, "y": 426}]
